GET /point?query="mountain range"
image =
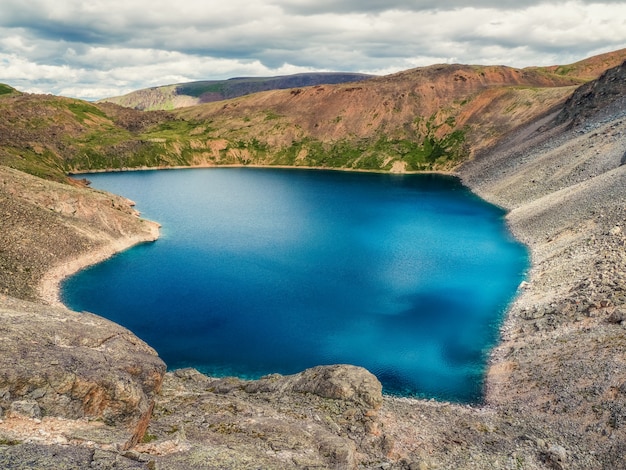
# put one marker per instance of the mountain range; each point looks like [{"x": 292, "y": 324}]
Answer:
[{"x": 179, "y": 95}]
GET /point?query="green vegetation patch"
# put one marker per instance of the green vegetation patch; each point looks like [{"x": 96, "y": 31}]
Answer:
[
  {"x": 172, "y": 143},
  {"x": 252, "y": 145},
  {"x": 371, "y": 162},
  {"x": 436, "y": 144},
  {"x": 198, "y": 89},
  {"x": 270, "y": 115},
  {"x": 5, "y": 441},
  {"x": 6, "y": 89},
  {"x": 84, "y": 111},
  {"x": 147, "y": 438},
  {"x": 564, "y": 70},
  {"x": 420, "y": 153},
  {"x": 177, "y": 130},
  {"x": 47, "y": 166},
  {"x": 312, "y": 152}
]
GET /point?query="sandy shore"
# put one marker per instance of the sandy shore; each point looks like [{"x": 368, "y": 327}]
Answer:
[{"x": 49, "y": 287}]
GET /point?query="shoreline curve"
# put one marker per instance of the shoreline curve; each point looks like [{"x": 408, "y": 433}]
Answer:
[{"x": 49, "y": 288}]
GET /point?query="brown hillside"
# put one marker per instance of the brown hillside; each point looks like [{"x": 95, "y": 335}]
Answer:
[
  {"x": 481, "y": 102},
  {"x": 460, "y": 108},
  {"x": 36, "y": 130},
  {"x": 49, "y": 136},
  {"x": 429, "y": 118}
]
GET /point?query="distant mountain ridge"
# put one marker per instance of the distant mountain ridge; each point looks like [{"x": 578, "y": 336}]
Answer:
[{"x": 180, "y": 95}]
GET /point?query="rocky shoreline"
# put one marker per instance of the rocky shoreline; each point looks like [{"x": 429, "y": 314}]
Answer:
[{"x": 555, "y": 389}]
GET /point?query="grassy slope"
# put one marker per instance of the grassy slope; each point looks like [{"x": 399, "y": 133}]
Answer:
[
  {"x": 420, "y": 119},
  {"x": 7, "y": 90}
]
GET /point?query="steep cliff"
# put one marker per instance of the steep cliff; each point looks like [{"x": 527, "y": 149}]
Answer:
[{"x": 563, "y": 179}]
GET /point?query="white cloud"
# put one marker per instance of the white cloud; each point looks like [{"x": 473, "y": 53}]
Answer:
[{"x": 90, "y": 48}]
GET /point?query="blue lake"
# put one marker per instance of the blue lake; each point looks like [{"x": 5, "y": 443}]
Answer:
[{"x": 265, "y": 270}]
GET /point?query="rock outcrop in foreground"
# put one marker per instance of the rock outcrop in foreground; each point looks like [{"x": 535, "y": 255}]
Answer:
[
  {"x": 59, "y": 365},
  {"x": 555, "y": 389}
]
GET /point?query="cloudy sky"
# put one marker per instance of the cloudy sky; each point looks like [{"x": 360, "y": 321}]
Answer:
[{"x": 97, "y": 48}]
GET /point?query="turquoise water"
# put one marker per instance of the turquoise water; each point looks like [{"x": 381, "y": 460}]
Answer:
[{"x": 263, "y": 270}]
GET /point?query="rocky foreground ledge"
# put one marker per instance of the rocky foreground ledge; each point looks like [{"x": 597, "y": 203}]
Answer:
[
  {"x": 74, "y": 372},
  {"x": 79, "y": 396}
]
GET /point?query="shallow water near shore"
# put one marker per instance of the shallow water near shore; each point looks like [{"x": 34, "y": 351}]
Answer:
[{"x": 264, "y": 270}]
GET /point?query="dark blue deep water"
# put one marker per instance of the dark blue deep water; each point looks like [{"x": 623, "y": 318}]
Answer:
[{"x": 262, "y": 270}]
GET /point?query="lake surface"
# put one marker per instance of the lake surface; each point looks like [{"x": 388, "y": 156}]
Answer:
[{"x": 264, "y": 270}]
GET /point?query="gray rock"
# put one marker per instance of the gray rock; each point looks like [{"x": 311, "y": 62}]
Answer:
[
  {"x": 342, "y": 382},
  {"x": 55, "y": 362},
  {"x": 556, "y": 457},
  {"x": 44, "y": 457},
  {"x": 339, "y": 382},
  {"x": 293, "y": 421},
  {"x": 617, "y": 316},
  {"x": 25, "y": 408}
]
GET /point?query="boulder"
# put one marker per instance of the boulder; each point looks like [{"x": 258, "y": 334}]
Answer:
[
  {"x": 341, "y": 382},
  {"x": 617, "y": 316},
  {"x": 75, "y": 366}
]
